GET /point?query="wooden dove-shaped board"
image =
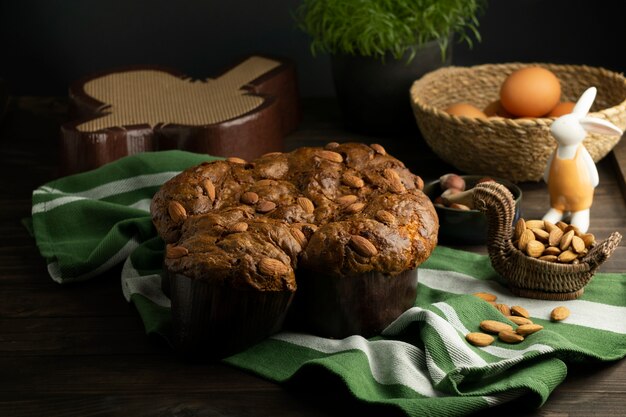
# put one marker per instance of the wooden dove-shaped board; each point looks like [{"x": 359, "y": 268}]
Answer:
[{"x": 244, "y": 112}]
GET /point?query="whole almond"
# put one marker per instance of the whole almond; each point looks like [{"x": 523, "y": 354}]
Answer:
[
  {"x": 265, "y": 206},
  {"x": 554, "y": 238},
  {"x": 549, "y": 226},
  {"x": 330, "y": 156},
  {"x": 331, "y": 145},
  {"x": 576, "y": 230},
  {"x": 265, "y": 182},
  {"x": 548, "y": 258},
  {"x": 527, "y": 236},
  {"x": 559, "y": 313},
  {"x": 526, "y": 329},
  {"x": 272, "y": 267},
  {"x": 519, "y": 311},
  {"x": 353, "y": 181},
  {"x": 589, "y": 239},
  {"x": 534, "y": 248},
  {"x": 238, "y": 227},
  {"x": 552, "y": 250},
  {"x": 535, "y": 224},
  {"x": 578, "y": 244},
  {"x": 249, "y": 197},
  {"x": 520, "y": 226},
  {"x": 479, "y": 339},
  {"x": 519, "y": 320},
  {"x": 236, "y": 160},
  {"x": 306, "y": 204},
  {"x": 176, "y": 211},
  {"x": 509, "y": 336},
  {"x": 541, "y": 234},
  {"x": 504, "y": 309},
  {"x": 208, "y": 186},
  {"x": 561, "y": 225},
  {"x": 346, "y": 200},
  {"x": 567, "y": 256},
  {"x": 363, "y": 246},
  {"x": 270, "y": 154},
  {"x": 378, "y": 149},
  {"x": 486, "y": 296},
  {"x": 298, "y": 236},
  {"x": 493, "y": 326},
  {"x": 355, "y": 208},
  {"x": 175, "y": 252},
  {"x": 566, "y": 240},
  {"x": 391, "y": 174},
  {"x": 386, "y": 217},
  {"x": 396, "y": 187}
]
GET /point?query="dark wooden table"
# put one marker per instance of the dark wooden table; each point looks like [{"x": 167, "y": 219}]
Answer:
[{"x": 80, "y": 350}]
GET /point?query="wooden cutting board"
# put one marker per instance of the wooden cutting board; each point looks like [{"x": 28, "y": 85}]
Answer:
[{"x": 246, "y": 111}]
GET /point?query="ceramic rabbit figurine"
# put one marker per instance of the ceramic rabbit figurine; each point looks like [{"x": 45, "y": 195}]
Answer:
[{"x": 571, "y": 174}]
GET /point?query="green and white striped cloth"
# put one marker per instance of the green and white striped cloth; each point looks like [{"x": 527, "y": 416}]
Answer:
[{"x": 421, "y": 364}]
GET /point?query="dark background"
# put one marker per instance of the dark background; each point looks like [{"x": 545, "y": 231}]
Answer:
[{"x": 45, "y": 44}]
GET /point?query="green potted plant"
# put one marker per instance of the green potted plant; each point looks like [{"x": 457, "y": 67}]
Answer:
[{"x": 379, "y": 47}]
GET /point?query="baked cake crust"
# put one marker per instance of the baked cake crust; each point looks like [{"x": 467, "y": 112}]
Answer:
[{"x": 343, "y": 209}]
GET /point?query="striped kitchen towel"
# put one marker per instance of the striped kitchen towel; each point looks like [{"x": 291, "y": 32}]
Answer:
[{"x": 420, "y": 365}]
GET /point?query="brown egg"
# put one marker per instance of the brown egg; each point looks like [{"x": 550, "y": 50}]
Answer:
[
  {"x": 565, "y": 107},
  {"x": 530, "y": 92},
  {"x": 467, "y": 110},
  {"x": 495, "y": 109}
]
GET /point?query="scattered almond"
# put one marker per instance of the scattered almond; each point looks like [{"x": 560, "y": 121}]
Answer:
[
  {"x": 526, "y": 329},
  {"x": 567, "y": 256},
  {"x": 519, "y": 311},
  {"x": 549, "y": 226},
  {"x": 519, "y": 320},
  {"x": 578, "y": 244},
  {"x": 479, "y": 339},
  {"x": 504, "y": 309},
  {"x": 493, "y": 326},
  {"x": 554, "y": 238},
  {"x": 520, "y": 226},
  {"x": 552, "y": 250},
  {"x": 589, "y": 239},
  {"x": 548, "y": 258},
  {"x": 486, "y": 296},
  {"x": 509, "y": 336},
  {"x": 534, "y": 248},
  {"x": 541, "y": 234},
  {"x": 527, "y": 236},
  {"x": 559, "y": 313},
  {"x": 561, "y": 225},
  {"x": 576, "y": 230}
]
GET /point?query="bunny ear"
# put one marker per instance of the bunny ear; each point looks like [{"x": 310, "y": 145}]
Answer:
[
  {"x": 583, "y": 105},
  {"x": 603, "y": 127}
]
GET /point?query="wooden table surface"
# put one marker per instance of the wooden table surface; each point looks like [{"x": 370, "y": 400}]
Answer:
[{"x": 80, "y": 350}]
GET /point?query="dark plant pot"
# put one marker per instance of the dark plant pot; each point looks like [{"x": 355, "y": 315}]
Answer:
[{"x": 374, "y": 95}]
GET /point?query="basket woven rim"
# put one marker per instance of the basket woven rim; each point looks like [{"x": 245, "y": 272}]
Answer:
[{"x": 432, "y": 76}]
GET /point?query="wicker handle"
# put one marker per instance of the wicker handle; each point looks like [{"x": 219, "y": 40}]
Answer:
[{"x": 600, "y": 253}]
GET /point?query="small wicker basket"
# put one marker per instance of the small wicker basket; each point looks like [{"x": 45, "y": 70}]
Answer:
[
  {"x": 526, "y": 276},
  {"x": 515, "y": 149}
]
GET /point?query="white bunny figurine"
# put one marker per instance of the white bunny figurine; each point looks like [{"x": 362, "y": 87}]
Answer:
[{"x": 571, "y": 174}]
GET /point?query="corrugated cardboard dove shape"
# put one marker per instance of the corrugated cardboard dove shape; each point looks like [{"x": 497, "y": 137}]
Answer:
[{"x": 245, "y": 112}]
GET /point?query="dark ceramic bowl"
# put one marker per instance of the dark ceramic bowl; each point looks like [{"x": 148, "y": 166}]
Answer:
[{"x": 467, "y": 227}]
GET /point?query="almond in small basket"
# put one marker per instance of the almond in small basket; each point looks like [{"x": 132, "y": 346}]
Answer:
[{"x": 556, "y": 243}]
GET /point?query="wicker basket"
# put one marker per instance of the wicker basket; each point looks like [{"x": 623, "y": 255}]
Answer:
[
  {"x": 515, "y": 149},
  {"x": 526, "y": 276}
]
